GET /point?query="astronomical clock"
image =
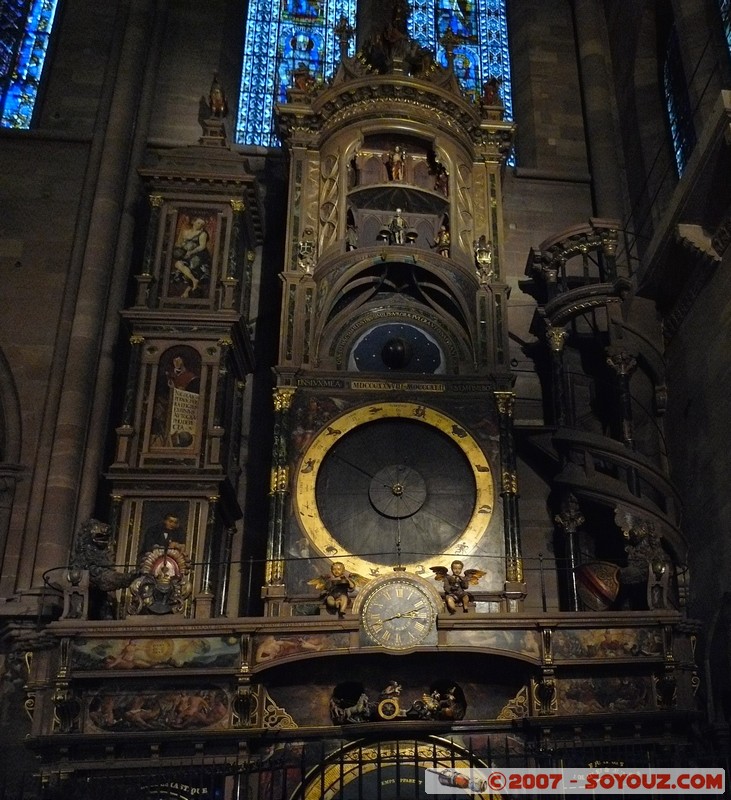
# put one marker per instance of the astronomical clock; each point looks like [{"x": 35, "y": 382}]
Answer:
[{"x": 393, "y": 439}]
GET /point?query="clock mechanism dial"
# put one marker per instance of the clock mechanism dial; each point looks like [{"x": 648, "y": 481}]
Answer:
[
  {"x": 393, "y": 483},
  {"x": 399, "y": 614}
]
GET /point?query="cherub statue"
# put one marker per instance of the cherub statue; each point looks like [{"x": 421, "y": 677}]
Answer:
[
  {"x": 335, "y": 588},
  {"x": 456, "y": 583}
]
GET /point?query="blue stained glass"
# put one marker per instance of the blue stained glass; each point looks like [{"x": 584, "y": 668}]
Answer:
[
  {"x": 279, "y": 38},
  {"x": 481, "y": 51},
  {"x": 680, "y": 116},
  {"x": 725, "y": 7},
  {"x": 26, "y": 28}
]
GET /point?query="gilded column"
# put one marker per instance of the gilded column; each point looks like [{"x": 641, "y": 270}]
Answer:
[
  {"x": 279, "y": 488},
  {"x": 509, "y": 492}
]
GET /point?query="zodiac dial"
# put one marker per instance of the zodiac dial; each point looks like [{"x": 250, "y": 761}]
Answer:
[{"x": 393, "y": 484}]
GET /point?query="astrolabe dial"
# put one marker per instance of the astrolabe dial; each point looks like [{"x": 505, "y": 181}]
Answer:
[
  {"x": 397, "y": 491},
  {"x": 393, "y": 483}
]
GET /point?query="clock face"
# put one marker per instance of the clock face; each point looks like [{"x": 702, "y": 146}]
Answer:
[
  {"x": 393, "y": 483},
  {"x": 398, "y": 614}
]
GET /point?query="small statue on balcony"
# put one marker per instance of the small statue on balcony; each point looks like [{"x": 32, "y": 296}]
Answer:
[
  {"x": 442, "y": 241},
  {"x": 217, "y": 102},
  {"x": 93, "y": 551},
  {"x": 491, "y": 92},
  {"x": 455, "y": 585},
  {"x": 336, "y": 587},
  {"x": 397, "y": 228},
  {"x": 395, "y": 163}
]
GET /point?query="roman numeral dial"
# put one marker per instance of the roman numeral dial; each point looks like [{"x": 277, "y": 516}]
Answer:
[{"x": 399, "y": 613}]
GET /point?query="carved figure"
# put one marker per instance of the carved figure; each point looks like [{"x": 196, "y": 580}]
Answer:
[
  {"x": 437, "y": 705},
  {"x": 442, "y": 241},
  {"x": 93, "y": 551},
  {"x": 484, "y": 259},
  {"x": 455, "y": 585},
  {"x": 304, "y": 81},
  {"x": 397, "y": 228},
  {"x": 360, "y": 711},
  {"x": 307, "y": 251},
  {"x": 439, "y": 171},
  {"x": 217, "y": 102},
  {"x": 351, "y": 237},
  {"x": 491, "y": 92},
  {"x": 335, "y": 588},
  {"x": 395, "y": 163},
  {"x": 163, "y": 585}
]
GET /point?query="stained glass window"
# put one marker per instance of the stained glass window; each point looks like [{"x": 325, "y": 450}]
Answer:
[
  {"x": 25, "y": 28},
  {"x": 680, "y": 115},
  {"x": 725, "y": 6},
  {"x": 479, "y": 32},
  {"x": 282, "y": 37},
  {"x": 279, "y": 38}
]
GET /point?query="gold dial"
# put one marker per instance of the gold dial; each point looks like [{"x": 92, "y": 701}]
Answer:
[
  {"x": 390, "y": 483},
  {"x": 398, "y": 614}
]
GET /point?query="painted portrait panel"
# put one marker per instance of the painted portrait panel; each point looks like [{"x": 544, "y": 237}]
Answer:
[
  {"x": 192, "y": 254},
  {"x": 164, "y": 524},
  {"x": 176, "y": 408}
]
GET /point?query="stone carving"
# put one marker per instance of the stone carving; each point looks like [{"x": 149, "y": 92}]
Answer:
[
  {"x": 93, "y": 551},
  {"x": 164, "y": 583}
]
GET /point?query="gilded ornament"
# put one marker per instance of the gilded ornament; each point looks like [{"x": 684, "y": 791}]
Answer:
[{"x": 283, "y": 398}]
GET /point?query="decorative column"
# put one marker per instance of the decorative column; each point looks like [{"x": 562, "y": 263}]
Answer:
[
  {"x": 571, "y": 519},
  {"x": 144, "y": 279},
  {"x": 223, "y": 573},
  {"x": 279, "y": 491},
  {"x": 233, "y": 267},
  {"x": 114, "y": 516},
  {"x": 125, "y": 431},
  {"x": 597, "y": 93},
  {"x": 204, "y": 600},
  {"x": 217, "y": 431},
  {"x": 556, "y": 338},
  {"x": 514, "y": 580}
]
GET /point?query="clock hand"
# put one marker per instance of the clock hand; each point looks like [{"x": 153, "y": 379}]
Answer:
[
  {"x": 356, "y": 467},
  {"x": 414, "y": 614}
]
